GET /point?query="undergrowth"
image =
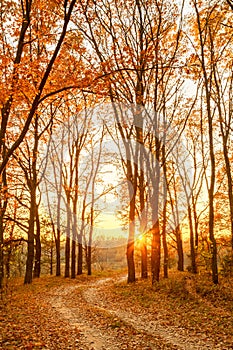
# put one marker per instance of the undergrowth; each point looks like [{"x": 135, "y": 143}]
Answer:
[{"x": 185, "y": 300}]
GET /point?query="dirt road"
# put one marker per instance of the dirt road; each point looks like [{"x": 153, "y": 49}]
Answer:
[{"x": 104, "y": 323}]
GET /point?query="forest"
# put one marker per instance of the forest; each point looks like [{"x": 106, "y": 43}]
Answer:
[{"x": 115, "y": 156}]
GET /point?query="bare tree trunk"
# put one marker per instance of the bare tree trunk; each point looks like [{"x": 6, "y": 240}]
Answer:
[
  {"x": 144, "y": 256},
  {"x": 67, "y": 257},
  {"x": 207, "y": 86},
  {"x": 89, "y": 247},
  {"x": 57, "y": 236},
  {"x": 196, "y": 223},
  {"x": 180, "y": 251},
  {"x": 78, "y": 146},
  {"x": 80, "y": 243},
  {"x": 8, "y": 261},
  {"x": 130, "y": 255},
  {"x": 67, "y": 245},
  {"x": 164, "y": 227},
  {"x": 131, "y": 235},
  {"x": 1, "y": 252},
  {"x": 58, "y": 253},
  {"x": 89, "y": 260},
  {"x": 51, "y": 257},
  {"x": 3, "y": 203},
  {"x": 225, "y": 133},
  {"x": 192, "y": 242},
  {"x": 230, "y": 189},
  {"x": 156, "y": 240},
  {"x": 164, "y": 240},
  {"x": 73, "y": 257},
  {"x": 155, "y": 253},
  {"x": 80, "y": 256},
  {"x": 143, "y": 246},
  {"x": 30, "y": 248},
  {"x": 37, "y": 264},
  {"x": 32, "y": 184}
]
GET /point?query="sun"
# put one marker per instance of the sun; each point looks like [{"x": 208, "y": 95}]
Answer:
[{"x": 140, "y": 237}]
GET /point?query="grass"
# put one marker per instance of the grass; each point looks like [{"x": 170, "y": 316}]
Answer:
[{"x": 187, "y": 301}]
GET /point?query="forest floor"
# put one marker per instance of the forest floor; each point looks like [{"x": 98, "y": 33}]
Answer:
[{"x": 105, "y": 313}]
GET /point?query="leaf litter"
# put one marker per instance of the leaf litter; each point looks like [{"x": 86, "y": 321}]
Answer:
[{"x": 108, "y": 314}]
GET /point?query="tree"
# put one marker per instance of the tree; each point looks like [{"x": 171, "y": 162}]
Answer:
[
  {"x": 135, "y": 56},
  {"x": 13, "y": 80},
  {"x": 52, "y": 157},
  {"x": 95, "y": 155},
  {"x": 222, "y": 95},
  {"x": 204, "y": 32}
]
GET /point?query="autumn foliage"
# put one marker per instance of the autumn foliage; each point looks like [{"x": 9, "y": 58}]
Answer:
[{"x": 152, "y": 78}]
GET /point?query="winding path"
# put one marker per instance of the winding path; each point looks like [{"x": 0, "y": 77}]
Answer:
[{"x": 104, "y": 324}]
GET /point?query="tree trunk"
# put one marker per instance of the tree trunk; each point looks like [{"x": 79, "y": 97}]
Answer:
[
  {"x": 229, "y": 180},
  {"x": 57, "y": 236},
  {"x": 89, "y": 247},
  {"x": 1, "y": 251},
  {"x": 180, "y": 251},
  {"x": 80, "y": 241},
  {"x": 164, "y": 227},
  {"x": 192, "y": 243},
  {"x": 89, "y": 258},
  {"x": 58, "y": 253},
  {"x": 32, "y": 184},
  {"x": 155, "y": 253},
  {"x": 73, "y": 257},
  {"x": 67, "y": 245},
  {"x": 230, "y": 187},
  {"x": 37, "y": 264},
  {"x": 130, "y": 261},
  {"x": 225, "y": 132},
  {"x": 51, "y": 258},
  {"x": 67, "y": 257},
  {"x": 208, "y": 86},
  {"x": 8, "y": 262},
  {"x": 130, "y": 244},
  {"x": 213, "y": 245},
  {"x": 3, "y": 202},
  {"x": 80, "y": 255},
  {"x": 144, "y": 270},
  {"x": 164, "y": 239},
  {"x": 156, "y": 241},
  {"x": 143, "y": 245},
  {"x": 30, "y": 247},
  {"x": 196, "y": 223}
]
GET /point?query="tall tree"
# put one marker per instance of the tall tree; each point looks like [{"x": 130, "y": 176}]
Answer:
[
  {"x": 26, "y": 10},
  {"x": 134, "y": 47},
  {"x": 204, "y": 32}
]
